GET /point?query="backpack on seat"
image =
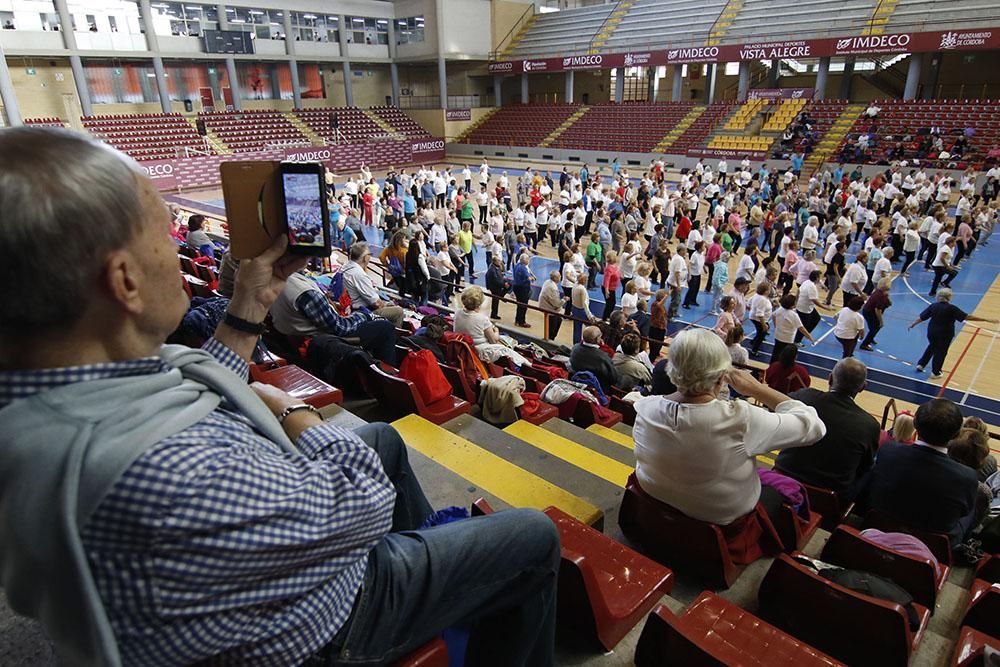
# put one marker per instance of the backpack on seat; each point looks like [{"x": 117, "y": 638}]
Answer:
[{"x": 421, "y": 368}]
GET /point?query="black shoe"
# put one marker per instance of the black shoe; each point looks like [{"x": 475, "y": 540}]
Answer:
[{"x": 867, "y": 348}]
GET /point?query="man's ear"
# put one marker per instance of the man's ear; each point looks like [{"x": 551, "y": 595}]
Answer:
[{"x": 122, "y": 279}]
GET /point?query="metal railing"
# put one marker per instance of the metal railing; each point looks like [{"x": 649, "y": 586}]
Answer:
[
  {"x": 509, "y": 37},
  {"x": 607, "y": 19},
  {"x": 454, "y": 101}
]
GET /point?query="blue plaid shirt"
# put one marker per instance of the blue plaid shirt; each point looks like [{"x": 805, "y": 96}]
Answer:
[{"x": 218, "y": 544}]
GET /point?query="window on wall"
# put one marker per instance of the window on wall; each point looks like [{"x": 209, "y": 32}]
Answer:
[
  {"x": 182, "y": 19},
  {"x": 261, "y": 23},
  {"x": 367, "y": 30},
  {"x": 315, "y": 27},
  {"x": 121, "y": 83},
  {"x": 410, "y": 30}
]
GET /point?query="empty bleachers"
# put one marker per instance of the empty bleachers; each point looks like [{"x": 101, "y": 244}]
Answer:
[
  {"x": 702, "y": 127},
  {"x": 150, "y": 136},
  {"x": 569, "y": 31},
  {"x": 664, "y": 24},
  {"x": 45, "y": 122},
  {"x": 401, "y": 122},
  {"x": 943, "y": 15},
  {"x": 521, "y": 124},
  {"x": 354, "y": 124},
  {"x": 758, "y": 20},
  {"x": 247, "y": 131},
  {"x": 637, "y": 127}
]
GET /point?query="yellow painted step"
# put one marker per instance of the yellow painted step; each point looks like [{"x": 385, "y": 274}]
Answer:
[
  {"x": 614, "y": 436},
  {"x": 510, "y": 483},
  {"x": 576, "y": 454}
]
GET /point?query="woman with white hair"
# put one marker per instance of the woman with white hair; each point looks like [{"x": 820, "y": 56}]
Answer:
[
  {"x": 484, "y": 334},
  {"x": 696, "y": 452}
]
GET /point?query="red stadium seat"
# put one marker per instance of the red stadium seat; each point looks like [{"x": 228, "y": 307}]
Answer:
[
  {"x": 297, "y": 382},
  {"x": 605, "y": 588},
  {"x": 793, "y": 530},
  {"x": 432, "y": 654},
  {"x": 848, "y": 548},
  {"x": 625, "y": 408},
  {"x": 828, "y": 504},
  {"x": 989, "y": 569},
  {"x": 714, "y": 632},
  {"x": 857, "y": 629},
  {"x": 938, "y": 543},
  {"x": 983, "y": 612},
  {"x": 970, "y": 647},
  {"x": 585, "y": 415},
  {"x": 459, "y": 383},
  {"x": 402, "y": 397}
]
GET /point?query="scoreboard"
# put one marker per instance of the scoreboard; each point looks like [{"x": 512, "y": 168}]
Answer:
[{"x": 228, "y": 41}]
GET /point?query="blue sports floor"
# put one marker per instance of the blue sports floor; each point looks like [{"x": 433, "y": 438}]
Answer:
[{"x": 892, "y": 363}]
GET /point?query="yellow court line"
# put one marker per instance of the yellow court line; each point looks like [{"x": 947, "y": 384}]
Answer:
[
  {"x": 614, "y": 436},
  {"x": 512, "y": 484},
  {"x": 582, "y": 457}
]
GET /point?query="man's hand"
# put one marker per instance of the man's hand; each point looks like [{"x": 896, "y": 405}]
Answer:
[
  {"x": 276, "y": 400},
  {"x": 260, "y": 280}
]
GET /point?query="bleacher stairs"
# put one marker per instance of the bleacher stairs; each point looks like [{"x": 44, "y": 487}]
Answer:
[
  {"x": 381, "y": 122},
  {"x": 505, "y": 53},
  {"x": 620, "y": 12},
  {"x": 744, "y": 114},
  {"x": 482, "y": 119},
  {"x": 679, "y": 129},
  {"x": 211, "y": 137},
  {"x": 725, "y": 19},
  {"x": 577, "y": 115},
  {"x": 880, "y": 17},
  {"x": 314, "y": 138},
  {"x": 828, "y": 144}
]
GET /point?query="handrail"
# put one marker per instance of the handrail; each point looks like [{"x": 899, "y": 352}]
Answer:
[
  {"x": 511, "y": 32},
  {"x": 716, "y": 21},
  {"x": 590, "y": 45},
  {"x": 890, "y": 405},
  {"x": 871, "y": 20}
]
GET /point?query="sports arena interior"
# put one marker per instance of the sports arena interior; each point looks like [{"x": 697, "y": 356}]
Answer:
[{"x": 734, "y": 402}]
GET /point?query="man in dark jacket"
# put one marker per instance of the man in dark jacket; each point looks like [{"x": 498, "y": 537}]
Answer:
[
  {"x": 587, "y": 355},
  {"x": 497, "y": 284},
  {"x": 919, "y": 485},
  {"x": 841, "y": 458}
]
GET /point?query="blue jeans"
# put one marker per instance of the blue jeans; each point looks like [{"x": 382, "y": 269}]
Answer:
[{"x": 579, "y": 314}]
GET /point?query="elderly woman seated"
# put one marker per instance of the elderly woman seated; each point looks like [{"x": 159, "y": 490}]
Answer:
[
  {"x": 696, "y": 452},
  {"x": 481, "y": 330}
]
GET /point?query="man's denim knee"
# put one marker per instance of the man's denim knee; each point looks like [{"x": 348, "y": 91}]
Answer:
[{"x": 535, "y": 533}]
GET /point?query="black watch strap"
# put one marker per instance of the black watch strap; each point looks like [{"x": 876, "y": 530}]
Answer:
[{"x": 256, "y": 328}]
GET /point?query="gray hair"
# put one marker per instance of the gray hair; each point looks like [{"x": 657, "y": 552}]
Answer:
[
  {"x": 849, "y": 376},
  {"x": 65, "y": 200},
  {"x": 697, "y": 361},
  {"x": 943, "y": 294},
  {"x": 358, "y": 250}
]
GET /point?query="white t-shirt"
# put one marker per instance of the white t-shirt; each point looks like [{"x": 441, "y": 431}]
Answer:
[
  {"x": 760, "y": 308},
  {"x": 883, "y": 267},
  {"x": 911, "y": 241},
  {"x": 944, "y": 254},
  {"x": 630, "y": 303},
  {"x": 786, "y": 324},
  {"x": 807, "y": 292},
  {"x": 474, "y": 324},
  {"x": 850, "y": 324},
  {"x": 697, "y": 263},
  {"x": 856, "y": 274},
  {"x": 569, "y": 275},
  {"x": 678, "y": 272}
]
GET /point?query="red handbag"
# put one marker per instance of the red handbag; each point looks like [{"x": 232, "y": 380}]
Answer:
[{"x": 421, "y": 368}]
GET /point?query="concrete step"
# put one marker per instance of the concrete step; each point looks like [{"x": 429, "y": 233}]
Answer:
[{"x": 593, "y": 439}]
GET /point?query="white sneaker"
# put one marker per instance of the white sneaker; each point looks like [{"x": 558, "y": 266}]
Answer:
[
  {"x": 936, "y": 376},
  {"x": 920, "y": 369}
]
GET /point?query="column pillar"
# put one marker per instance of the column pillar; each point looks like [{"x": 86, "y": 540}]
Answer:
[
  {"x": 69, "y": 39},
  {"x": 912, "y": 77},
  {"x": 497, "y": 90},
  {"x": 293, "y": 64},
  {"x": 220, "y": 9},
  {"x": 743, "y": 87},
  {"x": 710, "y": 83},
  {"x": 7, "y": 95},
  {"x": 345, "y": 52},
  {"x": 443, "y": 82},
  {"x": 619, "y": 85},
  {"x": 393, "y": 68},
  {"x": 847, "y": 78},
  {"x": 774, "y": 74},
  {"x": 822, "y": 75},
  {"x": 234, "y": 83},
  {"x": 524, "y": 88},
  {"x": 153, "y": 44},
  {"x": 569, "y": 87},
  {"x": 161, "y": 84},
  {"x": 654, "y": 83},
  {"x": 678, "y": 83}
]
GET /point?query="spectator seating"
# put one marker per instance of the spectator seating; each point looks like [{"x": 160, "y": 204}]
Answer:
[
  {"x": 815, "y": 17},
  {"x": 920, "y": 577},
  {"x": 739, "y": 143},
  {"x": 704, "y": 125},
  {"x": 605, "y": 588},
  {"x": 665, "y": 24},
  {"x": 713, "y": 631},
  {"x": 151, "y": 136},
  {"x": 744, "y": 114},
  {"x": 569, "y": 31},
  {"x": 947, "y": 16},
  {"x": 585, "y": 414},
  {"x": 855, "y": 628},
  {"x": 403, "y": 123},
  {"x": 45, "y": 122},
  {"x": 915, "y": 118},
  {"x": 983, "y": 612},
  {"x": 784, "y": 113},
  {"x": 402, "y": 398},
  {"x": 521, "y": 124},
  {"x": 634, "y": 127},
  {"x": 970, "y": 648},
  {"x": 794, "y": 531},
  {"x": 938, "y": 543},
  {"x": 296, "y": 382},
  {"x": 353, "y": 123},
  {"x": 247, "y": 131},
  {"x": 828, "y": 505}
]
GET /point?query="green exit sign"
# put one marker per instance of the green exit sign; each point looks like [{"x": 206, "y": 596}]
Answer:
[
  {"x": 969, "y": 58},
  {"x": 30, "y": 71}
]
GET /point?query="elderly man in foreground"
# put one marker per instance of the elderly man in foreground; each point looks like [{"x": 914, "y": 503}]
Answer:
[{"x": 155, "y": 509}]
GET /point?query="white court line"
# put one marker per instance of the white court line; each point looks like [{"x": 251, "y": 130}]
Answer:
[
  {"x": 820, "y": 339},
  {"x": 975, "y": 376},
  {"x": 919, "y": 296}
]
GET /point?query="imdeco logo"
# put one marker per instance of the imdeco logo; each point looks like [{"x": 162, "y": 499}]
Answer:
[{"x": 159, "y": 170}]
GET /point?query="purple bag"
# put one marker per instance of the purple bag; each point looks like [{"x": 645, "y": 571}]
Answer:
[
  {"x": 902, "y": 543},
  {"x": 790, "y": 490}
]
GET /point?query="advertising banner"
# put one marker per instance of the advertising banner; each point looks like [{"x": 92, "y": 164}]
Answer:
[
  {"x": 458, "y": 114},
  {"x": 162, "y": 172},
  {"x": 907, "y": 42},
  {"x": 719, "y": 153},
  {"x": 427, "y": 150},
  {"x": 781, "y": 93}
]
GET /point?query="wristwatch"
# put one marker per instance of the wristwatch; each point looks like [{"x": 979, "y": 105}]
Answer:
[
  {"x": 256, "y": 328},
  {"x": 295, "y": 408}
]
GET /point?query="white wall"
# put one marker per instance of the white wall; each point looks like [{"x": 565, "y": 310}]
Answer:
[
  {"x": 466, "y": 27},
  {"x": 406, "y": 9}
]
